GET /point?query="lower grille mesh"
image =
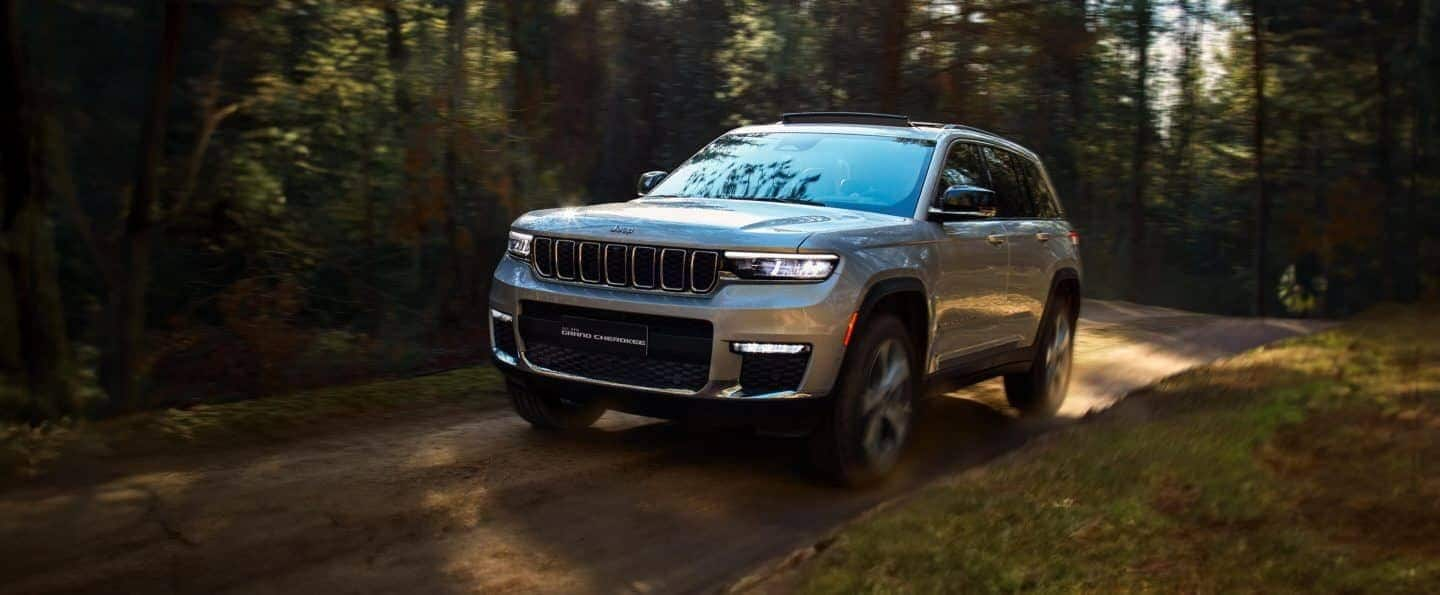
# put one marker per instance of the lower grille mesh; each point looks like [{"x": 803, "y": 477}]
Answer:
[
  {"x": 504, "y": 336},
  {"x": 760, "y": 374},
  {"x": 635, "y": 371}
]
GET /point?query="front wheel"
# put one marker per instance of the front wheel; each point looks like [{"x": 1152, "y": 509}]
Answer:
[
  {"x": 860, "y": 437},
  {"x": 547, "y": 411},
  {"x": 1040, "y": 391}
]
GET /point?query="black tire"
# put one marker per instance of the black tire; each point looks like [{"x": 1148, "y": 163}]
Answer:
[
  {"x": 1040, "y": 391},
  {"x": 862, "y": 433},
  {"x": 546, "y": 411}
]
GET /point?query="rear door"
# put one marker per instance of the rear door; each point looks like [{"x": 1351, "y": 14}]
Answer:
[
  {"x": 1037, "y": 236},
  {"x": 971, "y": 294}
]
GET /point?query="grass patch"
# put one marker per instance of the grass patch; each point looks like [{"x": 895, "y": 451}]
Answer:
[
  {"x": 28, "y": 451},
  {"x": 1311, "y": 465}
]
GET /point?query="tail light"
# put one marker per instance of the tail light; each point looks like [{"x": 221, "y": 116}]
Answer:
[{"x": 1075, "y": 238}]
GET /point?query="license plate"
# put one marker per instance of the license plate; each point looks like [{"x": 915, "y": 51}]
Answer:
[{"x": 605, "y": 336}]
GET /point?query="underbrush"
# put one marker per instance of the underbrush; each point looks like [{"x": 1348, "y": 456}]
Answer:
[{"x": 26, "y": 451}]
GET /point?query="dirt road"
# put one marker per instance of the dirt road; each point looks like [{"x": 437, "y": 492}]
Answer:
[{"x": 463, "y": 501}]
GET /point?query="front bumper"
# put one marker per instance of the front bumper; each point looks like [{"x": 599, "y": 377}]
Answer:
[{"x": 812, "y": 313}]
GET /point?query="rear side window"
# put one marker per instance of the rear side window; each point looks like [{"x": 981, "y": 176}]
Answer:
[
  {"x": 1008, "y": 180},
  {"x": 1044, "y": 205}
]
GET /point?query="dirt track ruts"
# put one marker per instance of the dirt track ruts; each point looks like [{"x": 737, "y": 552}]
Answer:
[{"x": 463, "y": 500}]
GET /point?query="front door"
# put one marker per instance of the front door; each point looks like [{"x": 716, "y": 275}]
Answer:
[{"x": 971, "y": 297}]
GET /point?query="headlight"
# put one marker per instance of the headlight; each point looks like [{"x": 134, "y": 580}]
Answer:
[
  {"x": 519, "y": 245},
  {"x": 781, "y": 267}
]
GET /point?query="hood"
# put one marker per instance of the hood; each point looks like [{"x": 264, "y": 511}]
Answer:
[{"x": 700, "y": 222}]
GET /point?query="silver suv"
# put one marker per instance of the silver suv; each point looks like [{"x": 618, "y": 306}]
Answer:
[{"x": 806, "y": 277}]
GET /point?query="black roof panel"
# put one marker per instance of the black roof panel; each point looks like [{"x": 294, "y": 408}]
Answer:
[{"x": 845, "y": 118}]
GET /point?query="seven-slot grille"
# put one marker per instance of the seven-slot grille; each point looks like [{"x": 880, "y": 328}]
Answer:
[{"x": 626, "y": 265}]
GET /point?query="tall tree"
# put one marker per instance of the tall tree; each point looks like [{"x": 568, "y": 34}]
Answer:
[
  {"x": 1074, "y": 68},
  {"x": 34, "y": 352},
  {"x": 894, "y": 35},
  {"x": 1422, "y": 138},
  {"x": 1139, "y": 162},
  {"x": 398, "y": 57},
  {"x": 456, "y": 287},
  {"x": 1382, "y": 43},
  {"x": 578, "y": 81},
  {"x": 529, "y": 23},
  {"x": 1187, "y": 106},
  {"x": 125, "y": 316},
  {"x": 1262, "y": 201}
]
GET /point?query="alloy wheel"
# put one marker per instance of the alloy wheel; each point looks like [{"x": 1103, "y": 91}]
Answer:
[
  {"x": 1058, "y": 356},
  {"x": 886, "y": 404}
]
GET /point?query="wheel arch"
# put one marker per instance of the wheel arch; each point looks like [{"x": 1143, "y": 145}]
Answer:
[
  {"x": 1065, "y": 281},
  {"x": 908, "y": 299}
]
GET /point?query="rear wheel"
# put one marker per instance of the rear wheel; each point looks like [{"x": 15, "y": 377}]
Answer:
[
  {"x": 860, "y": 437},
  {"x": 547, "y": 411},
  {"x": 1040, "y": 391}
]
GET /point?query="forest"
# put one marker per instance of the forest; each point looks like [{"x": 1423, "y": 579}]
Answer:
[{"x": 211, "y": 200}]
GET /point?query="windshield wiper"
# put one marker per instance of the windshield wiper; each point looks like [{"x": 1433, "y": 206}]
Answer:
[{"x": 793, "y": 201}]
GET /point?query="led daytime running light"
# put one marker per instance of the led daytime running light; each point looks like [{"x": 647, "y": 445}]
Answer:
[
  {"x": 751, "y": 347},
  {"x": 519, "y": 245},
  {"x": 782, "y": 267}
]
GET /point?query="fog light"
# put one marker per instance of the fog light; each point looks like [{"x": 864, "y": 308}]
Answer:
[{"x": 769, "y": 348}]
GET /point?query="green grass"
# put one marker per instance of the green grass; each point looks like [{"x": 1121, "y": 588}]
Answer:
[
  {"x": 27, "y": 451},
  {"x": 1312, "y": 465}
]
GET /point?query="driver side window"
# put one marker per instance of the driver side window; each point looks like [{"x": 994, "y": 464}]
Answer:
[{"x": 964, "y": 166}]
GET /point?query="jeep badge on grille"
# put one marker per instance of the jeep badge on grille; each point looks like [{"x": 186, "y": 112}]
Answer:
[{"x": 622, "y": 229}]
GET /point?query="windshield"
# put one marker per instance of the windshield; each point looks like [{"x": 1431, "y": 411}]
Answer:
[{"x": 879, "y": 174}]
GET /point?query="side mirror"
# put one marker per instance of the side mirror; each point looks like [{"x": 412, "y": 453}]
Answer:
[
  {"x": 964, "y": 202},
  {"x": 648, "y": 181}
]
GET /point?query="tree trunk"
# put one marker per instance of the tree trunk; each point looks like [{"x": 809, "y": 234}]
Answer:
[
  {"x": 529, "y": 25},
  {"x": 1381, "y": 44},
  {"x": 892, "y": 54},
  {"x": 1139, "y": 160},
  {"x": 35, "y": 355},
  {"x": 398, "y": 57},
  {"x": 120, "y": 365},
  {"x": 1262, "y": 201},
  {"x": 455, "y": 289},
  {"x": 1421, "y": 118},
  {"x": 1075, "y": 72},
  {"x": 1189, "y": 92}
]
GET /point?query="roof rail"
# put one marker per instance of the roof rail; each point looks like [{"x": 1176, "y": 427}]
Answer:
[
  {"x": 870, "y": 119},
  {"x": 970, "y": 128},
  {"x": 845, "y": 118}
]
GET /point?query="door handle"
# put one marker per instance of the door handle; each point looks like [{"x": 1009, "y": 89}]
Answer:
[
  {"x": 1042, "y": 236},
  {"x": 995, "y": 240}
]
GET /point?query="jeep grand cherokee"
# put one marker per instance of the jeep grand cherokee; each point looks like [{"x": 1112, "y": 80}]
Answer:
[{"x": 807, "y": 276}]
